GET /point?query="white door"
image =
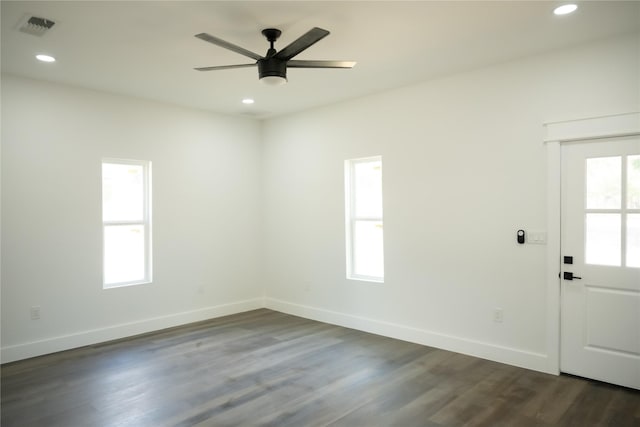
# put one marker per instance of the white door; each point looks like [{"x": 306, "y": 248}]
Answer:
[{"x": 600, "y": 304}]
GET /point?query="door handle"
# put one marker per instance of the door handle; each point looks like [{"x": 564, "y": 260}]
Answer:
[{"x": 569, "y": 276}]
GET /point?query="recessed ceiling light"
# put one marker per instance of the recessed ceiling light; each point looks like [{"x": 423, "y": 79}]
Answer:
[
  {"x": 248, "y": 101},
  {"x": 45, "y": 58},
  {"x": 565, "y": 9}
]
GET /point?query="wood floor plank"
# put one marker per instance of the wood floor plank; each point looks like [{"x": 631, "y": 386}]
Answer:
[{"x": 272, "y": 369}]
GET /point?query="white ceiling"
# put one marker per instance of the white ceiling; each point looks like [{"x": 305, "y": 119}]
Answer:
[{"x": 147, "y": 49}]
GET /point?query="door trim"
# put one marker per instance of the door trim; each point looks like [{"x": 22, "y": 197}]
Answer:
[{"x": 556, "y": 134}]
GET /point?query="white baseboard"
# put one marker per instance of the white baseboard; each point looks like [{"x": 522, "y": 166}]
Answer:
[
  {"x": 507, "y": 355},
  {"x": 80, "y": 339},
  {"x": 510, "y": 356}
]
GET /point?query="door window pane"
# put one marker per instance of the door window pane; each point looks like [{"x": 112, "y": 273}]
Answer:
[
  {"x": 604, "y": 183},
  {"x": 633, "y": 240},
  {"x": 602, "y": 240},
  {"x": 633, "y": 182},
  {"x": 124, "y": 253},
  {"x": 368, "y": 253}
]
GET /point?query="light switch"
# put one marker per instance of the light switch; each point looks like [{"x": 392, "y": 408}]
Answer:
[{"x": 537, "y": 237}]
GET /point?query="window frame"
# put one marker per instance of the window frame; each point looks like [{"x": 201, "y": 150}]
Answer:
[
  {"x": 145, "y": 222},
  {"x": 351, "y": 219}
]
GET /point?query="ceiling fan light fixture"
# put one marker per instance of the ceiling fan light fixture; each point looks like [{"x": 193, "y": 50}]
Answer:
[
  {"x": 272, "y": 71},
  {"x": 273, "y": 80}
]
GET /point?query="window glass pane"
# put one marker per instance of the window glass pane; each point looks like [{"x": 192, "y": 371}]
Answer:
[
  {"x": 122, "y": 192},
  {"x": 368, "y": 249},
  {"x": 633, "y": 182},
  {"x": 368, "y": 189},
  {"x": 604, "y": 183},
  {"x": 124, "y": 259},
  {"x": 602, "y": 243},
  {"x": 633, "y": 240}
]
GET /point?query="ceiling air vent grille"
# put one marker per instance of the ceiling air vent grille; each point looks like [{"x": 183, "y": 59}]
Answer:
[{"x": 36, "y": 26}]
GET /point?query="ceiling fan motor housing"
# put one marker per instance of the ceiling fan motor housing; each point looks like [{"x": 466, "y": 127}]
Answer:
[{"x": 272, "y": 67}]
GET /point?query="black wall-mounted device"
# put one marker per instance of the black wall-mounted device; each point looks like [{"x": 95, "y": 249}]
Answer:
[{"x": 520, "y": 235}]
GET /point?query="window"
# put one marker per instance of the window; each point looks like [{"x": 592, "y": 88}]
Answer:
[
  {"x": 126, "y": 222},
  {"x": 365, "y": 252}
]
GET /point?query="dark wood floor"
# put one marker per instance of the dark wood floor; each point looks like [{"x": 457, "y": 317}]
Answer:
[{"x": 269, "y": 368}]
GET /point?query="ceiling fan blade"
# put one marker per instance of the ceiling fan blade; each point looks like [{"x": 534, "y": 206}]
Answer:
[
  {"x": 320, "y": 64},
  {"x": 301, "y": 43},
  {"x": 219, "y": 42},
  {"x": 224, "y": 67}
]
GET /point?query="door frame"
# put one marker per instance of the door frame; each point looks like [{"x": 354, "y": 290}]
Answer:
[{"x": 556, "y": 134}]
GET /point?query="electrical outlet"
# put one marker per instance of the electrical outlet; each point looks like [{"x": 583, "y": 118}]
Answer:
[
  {"x": 498, "y": 315},
  {"x": 35, "y": 312}
]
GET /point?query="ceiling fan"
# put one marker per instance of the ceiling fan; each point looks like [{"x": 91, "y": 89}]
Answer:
[{"x": 272, "y": 68}]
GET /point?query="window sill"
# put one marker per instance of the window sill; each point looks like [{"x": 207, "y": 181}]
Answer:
[
  {"x": 366, "y": 279},
  {"x": 126, "y": 285}
]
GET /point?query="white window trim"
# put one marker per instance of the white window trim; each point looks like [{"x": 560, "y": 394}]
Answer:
[
  {"x": 350, "y": 218},
  {"x": 145, "y": 222}
]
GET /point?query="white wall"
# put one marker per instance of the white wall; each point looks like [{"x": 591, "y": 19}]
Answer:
[
  {"x": 206, "y": 215},
  {"x": 240, "y": 208},
  {"x": 463, "y": 169}
]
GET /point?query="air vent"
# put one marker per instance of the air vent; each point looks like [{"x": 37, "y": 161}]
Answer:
[{"x": 36, "y": 26}]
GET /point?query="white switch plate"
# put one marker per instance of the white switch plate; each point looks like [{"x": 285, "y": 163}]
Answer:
[{"x": 537, "y": 237}]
